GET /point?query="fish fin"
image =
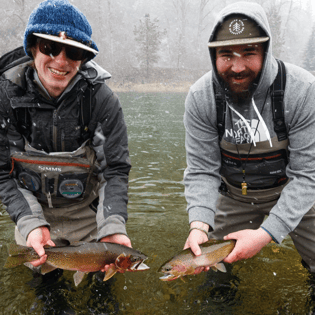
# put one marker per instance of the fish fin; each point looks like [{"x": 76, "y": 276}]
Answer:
[
  {"x": 181, "y": 278},
  {"x": 78, "y": 277},
  {"x": 214, "y": 268},
  {"x": 48, "y": 246},
  {"x": 110, "y": 273},
  {"x": 221, "y": 267},
  {"x": 77, "y": 243},
  {"x": 61, "y": 242},
  {"x": 46, "y": 267}
]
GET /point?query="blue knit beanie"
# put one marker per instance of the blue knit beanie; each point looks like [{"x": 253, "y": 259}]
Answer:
[{"x": 54, "y": 16}]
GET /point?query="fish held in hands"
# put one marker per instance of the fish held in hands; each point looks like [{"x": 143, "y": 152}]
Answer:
[
  {"x": 81, "y": 257},
  {"x": 185, "y": 262}
]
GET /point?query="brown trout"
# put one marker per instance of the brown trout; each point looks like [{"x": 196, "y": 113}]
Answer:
[
  {"x": 185, "y": 262},
  {"x": 81, "y": 257}
]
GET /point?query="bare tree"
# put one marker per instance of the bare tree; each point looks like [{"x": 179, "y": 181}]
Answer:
[
  {"x": 181, "y": 8},
  {"x": 202, "y": 15}
]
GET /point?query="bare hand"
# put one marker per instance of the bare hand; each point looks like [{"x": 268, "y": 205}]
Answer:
[
  {"x": 195, "y": 238},
  {"x": 248, "y": 244},
  {"x": 37, "y": 239},
  {"x": 121, "y": 239}
]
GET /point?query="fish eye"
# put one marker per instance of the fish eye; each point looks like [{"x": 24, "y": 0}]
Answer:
[
  {"x": 133, "y": 259},
  {"x": 168, "y": 268}
]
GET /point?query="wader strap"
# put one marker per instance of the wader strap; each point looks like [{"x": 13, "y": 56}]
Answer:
[
  {"x": 86, "y": 109},
  {"x": 23, "y": 121},
  {"x": 221, "y": 110},
  {"x": 277, "y": 95}
]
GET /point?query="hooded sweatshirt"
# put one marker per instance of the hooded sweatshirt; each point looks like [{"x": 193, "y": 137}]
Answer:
[{"x": 202, "y": 175}]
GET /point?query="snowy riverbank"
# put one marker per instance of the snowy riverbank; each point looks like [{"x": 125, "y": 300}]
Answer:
[{"x": 182, "y": 87}]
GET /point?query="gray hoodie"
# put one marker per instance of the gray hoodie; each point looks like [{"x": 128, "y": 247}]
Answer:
[{"x": 202, "y": 178}]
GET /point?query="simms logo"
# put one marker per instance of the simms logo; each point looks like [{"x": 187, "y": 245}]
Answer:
[{"x": 49, "y": 168}]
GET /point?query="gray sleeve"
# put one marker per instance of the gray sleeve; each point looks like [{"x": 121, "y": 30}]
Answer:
[
  {"x": 298, "y": 196},
  {"x": 21, "y": 205},
  {"x": 201, "y": 177}
]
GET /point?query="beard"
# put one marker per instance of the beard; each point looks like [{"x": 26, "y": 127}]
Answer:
[{"x": 239, "y": 86}]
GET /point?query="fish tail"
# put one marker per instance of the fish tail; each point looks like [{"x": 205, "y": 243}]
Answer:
[{"x": 17, "y": 255}]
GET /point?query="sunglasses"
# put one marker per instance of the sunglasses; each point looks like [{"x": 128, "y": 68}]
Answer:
[{"x": 53, "y": 49}]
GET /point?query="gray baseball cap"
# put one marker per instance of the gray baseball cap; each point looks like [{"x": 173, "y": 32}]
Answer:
[{"x": 237, "y": 30}]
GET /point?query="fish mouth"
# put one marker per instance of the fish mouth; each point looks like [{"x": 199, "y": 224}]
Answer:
[
  {"x": 168, "y": 277},
  {"x": 140, "y": 266}
]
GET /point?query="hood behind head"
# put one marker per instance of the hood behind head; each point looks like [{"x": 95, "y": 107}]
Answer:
[
  {"x": 94, "y": 72},
  {"x": 256, "y": 13}
]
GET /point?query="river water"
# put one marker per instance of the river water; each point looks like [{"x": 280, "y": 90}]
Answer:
[{"x": 273, "y": 282}]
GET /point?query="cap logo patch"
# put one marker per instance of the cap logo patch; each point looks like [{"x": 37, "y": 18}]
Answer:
[{"x": 236, "y": 27}]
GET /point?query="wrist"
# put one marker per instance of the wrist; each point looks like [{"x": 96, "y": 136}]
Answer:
[
  {"x": 200, "y": 225},
  {"x": 270, "y": 237}
]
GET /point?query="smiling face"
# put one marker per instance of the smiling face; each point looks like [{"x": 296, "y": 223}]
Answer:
[
  {"x": 238, "y": 66},
  {"x": 55, "y": 73}
]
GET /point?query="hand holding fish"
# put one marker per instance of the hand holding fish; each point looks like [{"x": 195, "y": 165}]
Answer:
[
  {"x": 117, "y": 239},
  {"x": 248, "y": 244},
  {"x": 186, "y": 262},
  {"x": 197, "y": 236},
  {"x": 37, "y": 239},
  {"x": 82, "y": 258}
]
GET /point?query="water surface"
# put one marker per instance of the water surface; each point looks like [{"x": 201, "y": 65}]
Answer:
[{"x": 273, "y": 282}]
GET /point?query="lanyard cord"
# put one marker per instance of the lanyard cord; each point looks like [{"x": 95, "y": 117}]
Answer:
[{"x": 244, "y": 192}]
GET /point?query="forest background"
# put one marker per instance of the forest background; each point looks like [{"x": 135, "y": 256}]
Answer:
[{"x": 162, "y": 45}]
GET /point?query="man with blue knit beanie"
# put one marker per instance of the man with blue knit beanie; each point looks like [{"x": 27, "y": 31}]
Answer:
[{"x": 64, "y": 161}]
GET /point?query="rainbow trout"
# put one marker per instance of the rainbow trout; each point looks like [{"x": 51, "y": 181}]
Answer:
[
  {"x": 185, "y": 262},
  {"x": 81, "y": 257}
]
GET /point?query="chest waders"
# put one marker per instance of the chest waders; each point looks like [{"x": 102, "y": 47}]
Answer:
[{"x": 265, "y": 170}]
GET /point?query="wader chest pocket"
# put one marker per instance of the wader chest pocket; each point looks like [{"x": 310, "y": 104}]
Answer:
[
  {"x": 55, "y": 180},
  {"x": 262, "y": 170},
  {"x": 71, "y": 185},
  {"x": 29, "y": 180}
]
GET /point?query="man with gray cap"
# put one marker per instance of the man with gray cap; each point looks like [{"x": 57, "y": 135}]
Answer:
[
  {"x": 64, "y": 149},
  {"x": 250, "y": 125}
]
